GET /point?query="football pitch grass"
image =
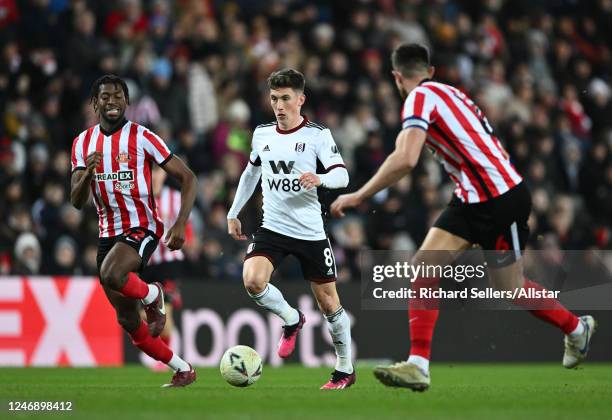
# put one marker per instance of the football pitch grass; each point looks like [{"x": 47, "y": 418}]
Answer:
[{"x": 474, "y": 391}]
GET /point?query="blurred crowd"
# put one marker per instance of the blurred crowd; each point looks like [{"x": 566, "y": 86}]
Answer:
[{"x": 197, "y": 70}]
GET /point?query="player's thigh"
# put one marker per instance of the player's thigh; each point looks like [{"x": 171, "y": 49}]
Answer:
[
  {"x": 438, "y": 239},
  {"x": 119, "y": 261},
  {"x": 504, "y": 240},
  {"x": 264, "y": 254},
  {"x": 440, "y": 247},
  {"x": 449, "y": 236},
  {"x": 508, "y": 277},
  {"x": 256, "y": 272},
  {"x": 326, "y": 295}
]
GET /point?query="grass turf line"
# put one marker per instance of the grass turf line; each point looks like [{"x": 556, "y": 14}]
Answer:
[{"x": 475, "y": 391}]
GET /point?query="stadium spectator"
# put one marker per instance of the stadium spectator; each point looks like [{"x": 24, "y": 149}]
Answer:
[{"x": 541, "y": 74}]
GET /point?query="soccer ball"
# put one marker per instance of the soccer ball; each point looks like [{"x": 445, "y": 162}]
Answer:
[{"x": 240, "y": 366}]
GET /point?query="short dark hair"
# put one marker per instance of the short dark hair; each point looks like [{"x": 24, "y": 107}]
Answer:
[
  {"x": 110, "y": 79},
  {"x": 287, "y": 78},
  {"x": 410, "y": 59}
]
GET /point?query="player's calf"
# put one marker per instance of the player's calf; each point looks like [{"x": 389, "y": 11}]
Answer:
[{"x": 129, "y": 320}]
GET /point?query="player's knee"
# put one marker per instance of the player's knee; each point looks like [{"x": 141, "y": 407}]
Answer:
[
  {"x": 254, "y": 282},
  {"x": 111, "y": 277},
  {"x": 105, "y": 275}
]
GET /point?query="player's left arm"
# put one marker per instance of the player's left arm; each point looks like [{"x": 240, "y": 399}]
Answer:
[
  {"x": 156, "y": 148},
  {"x": 175, "y": 237},
  {"x": 335, "y": 175},
  {"x": 398, "y": 164}
]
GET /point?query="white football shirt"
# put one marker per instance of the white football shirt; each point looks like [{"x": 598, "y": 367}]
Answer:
[{"x": 284, "y": 155}]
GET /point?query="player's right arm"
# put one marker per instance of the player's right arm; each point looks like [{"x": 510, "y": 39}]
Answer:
[
  {"x": 81, "y": 179},
  {"x": 246, "y": 186}
]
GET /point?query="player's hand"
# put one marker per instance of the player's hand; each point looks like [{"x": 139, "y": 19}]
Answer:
[
  {"x": 175, "y": 237},
  {"x": 234, "y": 228},
  {"x": 309, "y": 180},
  {"x": 343, "y": 202},
  {"x": 92, "y": 162}
]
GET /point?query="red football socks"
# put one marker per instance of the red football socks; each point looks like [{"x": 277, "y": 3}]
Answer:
[
  {"x": 153, "y": 346},
  {"x": 134, "y": 287},
  {"x": 423, "y": 314},
  {"x": 547, "y": 309},
  {"x": 422, "y": 317}
]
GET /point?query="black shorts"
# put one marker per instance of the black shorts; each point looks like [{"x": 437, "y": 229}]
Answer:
[
  {"x": 142, "y": 240},
  {"x": 498, "y": 225},
  {"x": 316, "y": 257}
]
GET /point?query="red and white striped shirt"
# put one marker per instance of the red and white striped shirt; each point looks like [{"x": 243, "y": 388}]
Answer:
[
  {"x": 168, "y": 206},
  {"x": 121, "y": 186},
  {"x": 461, "y": 138}
]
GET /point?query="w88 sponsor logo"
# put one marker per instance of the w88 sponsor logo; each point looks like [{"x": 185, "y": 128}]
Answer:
[{"x": 285, "y": 184}]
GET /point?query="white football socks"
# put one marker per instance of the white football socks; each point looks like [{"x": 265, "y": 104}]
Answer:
[
  {"x": 152, "y": 295},
  {"x": 176, "y": 364},
  {"x": 272, "y": 299},
  {"x": 420, "y": 361},
  {"x": 339, "y": 326}
]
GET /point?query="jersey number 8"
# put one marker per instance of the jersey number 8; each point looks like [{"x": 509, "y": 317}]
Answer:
[{"x": 329, "y": 260}]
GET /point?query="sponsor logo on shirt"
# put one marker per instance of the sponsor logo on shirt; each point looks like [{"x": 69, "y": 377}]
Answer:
[{"x": 115, "y": 176}]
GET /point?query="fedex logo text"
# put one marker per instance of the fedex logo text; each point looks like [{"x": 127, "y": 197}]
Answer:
[{"x": 55, "y": 321}]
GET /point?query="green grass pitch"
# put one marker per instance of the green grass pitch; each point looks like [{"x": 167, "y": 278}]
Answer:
[{"x": 474, "y": 391}]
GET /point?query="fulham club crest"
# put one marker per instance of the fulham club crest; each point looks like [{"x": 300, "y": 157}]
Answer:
[
  {"x": 123, "y": 157},
  {"x": 300, "y": 147}
]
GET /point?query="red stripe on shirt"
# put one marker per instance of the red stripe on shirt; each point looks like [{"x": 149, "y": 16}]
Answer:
[
  {"x": 73, "y": 152},
  {"x": 143, "y": 220},
  {"x": 482, "y": 195},
  {"x": 419, "y": 101},
  {"x": 108, "y": 211},
  {"x": 92, "y": 185},
  {"x": 487, "y": 150},
  {"x": 86, "y": 144},
  {"x": 460, "y": 117},
  {"x": 462, "y": 167},
  {"x": 448, "y": 160},
  {"x": 156, "y": 143},
  {"x": 125, "y": 214}
]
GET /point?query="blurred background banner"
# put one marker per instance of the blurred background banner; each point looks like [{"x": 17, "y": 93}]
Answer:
[
  {"x": 62, "y": 321},
  {"x": 57, "y": 321}
]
